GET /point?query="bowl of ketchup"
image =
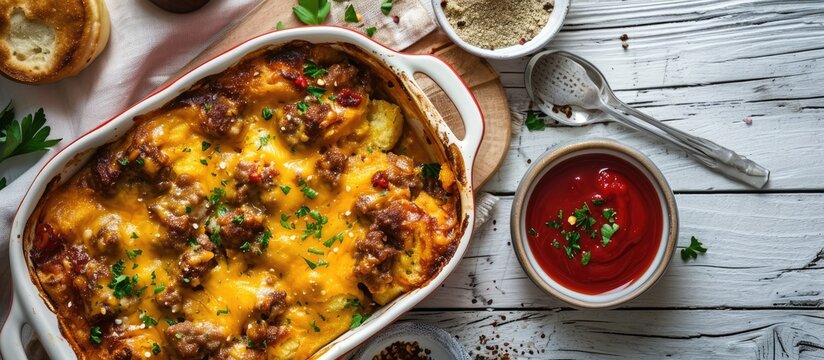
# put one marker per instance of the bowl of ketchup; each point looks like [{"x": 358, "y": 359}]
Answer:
[{"x": 594, "y": 223}]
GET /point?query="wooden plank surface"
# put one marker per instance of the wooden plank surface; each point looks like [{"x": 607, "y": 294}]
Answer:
[
  {"x": 703, "y": 67},
  {"x": 764, "y": 251}
]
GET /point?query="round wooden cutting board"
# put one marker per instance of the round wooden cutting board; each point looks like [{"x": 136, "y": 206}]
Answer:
[{"x": 478, "y": 75}]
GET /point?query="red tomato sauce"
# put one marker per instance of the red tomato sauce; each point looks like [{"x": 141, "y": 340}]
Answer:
[{"x": 623, "y": 188}]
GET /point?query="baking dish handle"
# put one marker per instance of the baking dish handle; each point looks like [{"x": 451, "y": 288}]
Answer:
[
  {"x": 457, "y": 91},
  {"x": 11, "y": 341}
]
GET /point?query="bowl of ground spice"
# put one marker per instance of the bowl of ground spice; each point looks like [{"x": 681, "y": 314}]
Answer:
[{"x": 501, "y": 29}]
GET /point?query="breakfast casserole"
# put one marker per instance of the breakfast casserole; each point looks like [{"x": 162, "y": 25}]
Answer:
[{"x": 260, "y": 214}]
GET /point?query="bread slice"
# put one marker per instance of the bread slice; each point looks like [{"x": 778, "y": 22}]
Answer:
[{"x": 43, "y": 41}]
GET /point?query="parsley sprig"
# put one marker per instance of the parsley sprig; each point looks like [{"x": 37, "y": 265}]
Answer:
[
  {"x": 22, "y": 137},
  {"x": 691, "y": 251},
  {"x": 534, "y": 122},
  {"x": 312, "y": 12}
]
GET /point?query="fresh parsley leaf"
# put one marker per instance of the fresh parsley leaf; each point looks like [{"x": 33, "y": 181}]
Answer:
[
  {"x": 315, "y": 91},
  {"x": 386, "y": 6},
  {"x": 26, "y": 136},
  {"x": 357, "y": 320},
  {"x": 159, "y": 289},
  {"x": 432, "y": 171},
  {"x": 314, "y": 326},
  {"x": 312, "y": 265},
  {"x": 309, "y": 192},
  {"x": 147, "y": 320},
  {"x": 266, "y": 113},
  {"x": 245, "y": 246},
  {"x": 692, "y": 250},
  {"x": 302, "y": 106},
  {"x": 370, "y": 31},
  {"x": 534, "y": 122},
  {"x": 263, "y": 239},
  {"x": 302, "y": 211},
  {"x": 312, "y": 12},
  {"x": 279, "y": 26},
  {"x": 284, "y": 221},
  {"x": 607, "y": 231},
  {"x": 285, "y": 189},
  {"x": 315, "y": 251},
  {"x": 555, "y": 243},
  {"x": 609, "y": 215},
  {"x": 532, "y": 232},
  {"x": 95, "y": 335},
  {"x": 223, "y": 311},
  {"x": 312, "y": 70},
  {"x": 331, "y": 241},
  {"x": 205, "y": 145},
  {"x": 133, "y": 254},
  {"x": 352, "y": 303},
  {"x": 598, "y": 200},
  {"x": 585, "y": 257},
  {"x": 263, "y": 141},
  {"x": 155, "y": 348},
  {"x": 217, "y": 193},
  {"x": 350, "y": 15}
]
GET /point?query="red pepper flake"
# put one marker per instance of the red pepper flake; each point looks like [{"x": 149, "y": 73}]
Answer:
[
  {"x": 254, "y": 176},
  {"x": 301, "y": 82},
  {"x": 523, "y": 40},
  {"x": 379, "y": 180},
  {"x": 349, "y": 98},
  {"x": 396, "y": 19}
]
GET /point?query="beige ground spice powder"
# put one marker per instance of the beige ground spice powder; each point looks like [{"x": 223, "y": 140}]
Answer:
[{"x": 494, "y": 24}]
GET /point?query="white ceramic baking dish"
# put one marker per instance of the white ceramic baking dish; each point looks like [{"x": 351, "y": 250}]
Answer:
[{"x": 29, "y": 307}]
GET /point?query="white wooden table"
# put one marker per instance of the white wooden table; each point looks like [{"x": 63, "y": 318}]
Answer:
[{"x": 703, "y": 67}]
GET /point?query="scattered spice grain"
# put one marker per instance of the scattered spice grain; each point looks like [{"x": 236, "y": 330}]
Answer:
[
  {"x": 403, "y": 350},
  {"x": 494, "y": 24}
]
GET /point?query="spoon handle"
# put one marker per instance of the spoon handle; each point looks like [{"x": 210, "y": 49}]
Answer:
[{"x": 712, "y": 155}]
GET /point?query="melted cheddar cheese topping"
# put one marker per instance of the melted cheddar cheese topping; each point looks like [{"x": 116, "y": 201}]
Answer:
[{"x": 261, "y": 214}]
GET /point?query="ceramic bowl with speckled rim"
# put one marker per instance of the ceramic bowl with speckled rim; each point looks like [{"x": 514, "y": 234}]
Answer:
[{"x": 664, "y": 249}]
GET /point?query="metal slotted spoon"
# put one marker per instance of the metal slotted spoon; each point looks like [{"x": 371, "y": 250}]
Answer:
[{"x": 556, "y": 79}]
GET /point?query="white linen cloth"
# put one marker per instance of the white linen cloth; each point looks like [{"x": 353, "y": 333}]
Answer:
[{"x": 146, "y": 46}]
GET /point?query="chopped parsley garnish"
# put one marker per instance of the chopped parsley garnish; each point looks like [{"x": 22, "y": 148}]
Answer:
[
  {"x": 307, "y": 191},
  {"x": 284, "y": 222},
  {"x": 223, "y": 311},
  {"x": 302, "y": 211},
  {"x": 302, "y": 106},
  {"x": 350, "y": 15},
  {"x": 245, "y": 246},
  {"x": 153, "y": 277},
  {"x": 555, "y": 224},
  {"x": 311, "y": 69},
  {"x": 352, "y": 303},
  {"x": 585, "y": 257},
  {"x": 170, "y": 321},
  {"x": 263, "y": 240},
  {"x": 607, "y": 231},
  {"x": 188, "y": 209},
  {"x": 313, "y": 265},
  {"x": 598, "y": 200},
  {"x": 134, "y": 235},
  {"x": 285, "y": 189},
  {"x": 370, "y": 31},
  {"x": 217, "y": 193},
  {"x": 386, "y": 6},
  {"x": 555, "y": 243},
  {"x": 279, "y": 26},
  {"x": 534, "y": 122},
  {"x": 263, "y": 141},
  {"x": 315, "y": 228},
  {"x": 316, "y": 91},
  {"x": 205, "y": 145},
  {"x": 266, "y": 113},
  {"x": 155, "y": 348},
  {"x": 315, "y": 251},
  {"x": 609, "y": 214},
  {"x": 121, "y": 284},
  {"x": 204, "y": 162},
  {"x": 432, "y": 171},
  {"x": 238, "y": 220},
  {"x": 331, "y": 241},
  {"x": 123, "y": 161},
  {"x": 691, "y": 251},
  {"x": 159, "y": 289},
  {"x": 95, "y": 335},
  {"x": 532, "y": 232},
  {"x": 133, "y": 254},
  {"x": 147, "y": 320},
  {"x": 139, "y": 161},
  {"x": 187, "y": 149},
  {"x": 207, "y": 107},
  {"x": 357, "y": 320},
  {"x": 314, "y": 326}
]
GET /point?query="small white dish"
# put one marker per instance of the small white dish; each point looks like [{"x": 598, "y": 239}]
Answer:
[
  {"x": 552, "y": 27},
  {"x": 441, "y": 344}
]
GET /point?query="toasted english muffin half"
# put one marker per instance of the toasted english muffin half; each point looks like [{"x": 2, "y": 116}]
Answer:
[{"x": 43, "y": 41}]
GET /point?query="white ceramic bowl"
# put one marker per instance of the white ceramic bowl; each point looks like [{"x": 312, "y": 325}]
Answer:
[
  {"x": 665, "y": 248},
  {"x": 552, "y": 27},
  {"x": 29, "y": 307}
]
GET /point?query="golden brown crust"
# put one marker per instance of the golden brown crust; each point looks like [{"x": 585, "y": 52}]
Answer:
[{"x": 78, "y": 31}]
